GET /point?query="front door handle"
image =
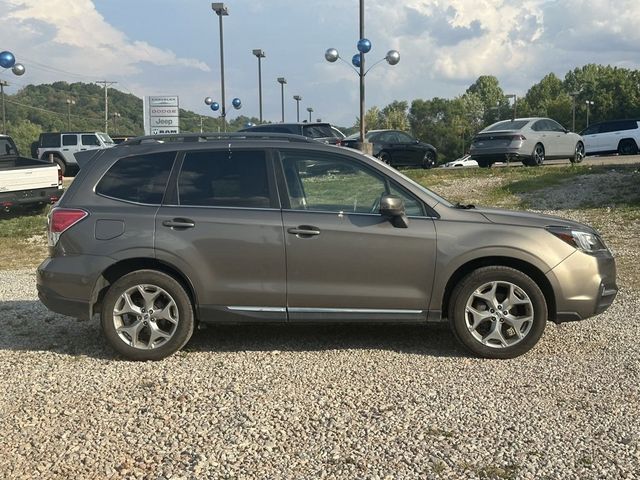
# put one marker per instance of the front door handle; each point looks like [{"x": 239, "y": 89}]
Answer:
[
  {"x": 304, "y": 231},
  {"x": 179, "y": 223}
]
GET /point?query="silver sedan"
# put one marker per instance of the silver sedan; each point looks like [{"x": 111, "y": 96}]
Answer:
[{"x": 529, "y": 140}]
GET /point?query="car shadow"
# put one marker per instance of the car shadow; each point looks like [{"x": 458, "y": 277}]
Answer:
[{"x": 29, "y": 326}]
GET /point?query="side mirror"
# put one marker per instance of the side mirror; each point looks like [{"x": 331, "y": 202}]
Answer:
[{"x": 392, "y": 206}]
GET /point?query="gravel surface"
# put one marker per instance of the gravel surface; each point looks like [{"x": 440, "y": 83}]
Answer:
[{"x": 316, "y": 402}]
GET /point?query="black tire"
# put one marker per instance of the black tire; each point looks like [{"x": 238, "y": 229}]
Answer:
[
  {"x": 385, "y": 157},
  {"x": 627, "y": 146},
  {"x": 502, "y": 276},
  {"x": 429, "y": 160},
  {"x": 484, "y": 163},
  {"x": 537, "y": 157},
  {"x": 578, "y": 154},
  {"x": 61, "y": 164},
  {"x": 180, "y": 332}
]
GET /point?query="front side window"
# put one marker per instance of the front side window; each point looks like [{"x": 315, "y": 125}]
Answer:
[
  {"x": 592, "y": 130},
  {"x": 554, "y": 126},
  {"x": 329, "y": 183},
  {"x": 224, "y": 179},
  {"x": 68, "y": 140},
  {"x": 90, "y": 140},
  {"x": 139, "y": 179},
  {"x": 404, "y": 138}
]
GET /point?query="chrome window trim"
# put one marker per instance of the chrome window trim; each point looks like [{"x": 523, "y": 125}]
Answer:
[{"x": 333, "y": 212}]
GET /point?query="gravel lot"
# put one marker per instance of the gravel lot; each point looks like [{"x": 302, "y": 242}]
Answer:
[{"x": 317, "y": 402}]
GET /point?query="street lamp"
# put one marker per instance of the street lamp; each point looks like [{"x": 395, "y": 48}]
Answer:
[
  {"x": 358, "y": 61},
  {"x": 515, "y": 101},
  {"x": 69, "y": 103},
  {"x": 590, "y": 104},
  {"x": 222, "y": 11},
  {"x": 297, "y": 98},
  {"x": 8, "y": 60},
  {"x": 310, "y": 110},
  {"x": 260, "y": 55},
  {"x": 282, "y": 81}
]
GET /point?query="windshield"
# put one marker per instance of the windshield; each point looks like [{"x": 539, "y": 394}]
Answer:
[
  {"x": 432, "y": 194},
  {"x": 318, "y": 131},
  {"x": 507, "y": 125},
  {"x": 7, "y": 147},
  {"x": 105, "y": 138}
]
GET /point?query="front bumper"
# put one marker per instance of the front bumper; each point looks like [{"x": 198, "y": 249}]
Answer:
[{"x": 584, "y": 285}]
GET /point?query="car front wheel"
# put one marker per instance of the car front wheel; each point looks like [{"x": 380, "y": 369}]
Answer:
[
  {"x": 578, "y": 155},
  {"x": 147, "y": 315},
  {"x": 497, "y": 312}
]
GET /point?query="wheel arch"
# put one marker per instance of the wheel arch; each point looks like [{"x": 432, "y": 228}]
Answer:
[
  {"x": 628, "y": 139},
  {"x": 123, "y": 267},
  {"x": 523, "y": 266}
]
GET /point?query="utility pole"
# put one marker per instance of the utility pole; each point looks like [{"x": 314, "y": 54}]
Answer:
[
  {"x": 106, "y": 84},
  {"x": 201, "y": 124},
  {"x": 3, "y": 84}
]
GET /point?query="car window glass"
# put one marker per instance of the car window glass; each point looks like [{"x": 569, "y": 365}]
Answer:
[
  {"x": 412, "y": 206},
  {"x": 554, "y": 126},
  {"x": 538, "y": 126},
  {"x": 630, "y": 125},
  {"x": 507, "y": 125},
  {"x": 90, "y": 140},
  {"x": 331, "y": 183},
  {"x": 50, "y": 140},
  {"x": 224, "y": 179},
  {"x": 317, "y": 131},
  {"x": 592, "y": 130},
  {"x": 386, "y": 137},
  {"x": 140, "y": 179},
  {"x": 404, "y": 138},
  {"x": 610, "y": 127},
  {"x": 68, "y": 140}
]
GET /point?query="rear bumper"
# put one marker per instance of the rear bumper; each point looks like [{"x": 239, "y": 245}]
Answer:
[
  {"x": 585, "y": 285},
  {"x": 30, "y": 197}
]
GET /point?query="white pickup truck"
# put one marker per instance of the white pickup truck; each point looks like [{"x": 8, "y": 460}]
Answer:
[{"x": 26, "y": 181}]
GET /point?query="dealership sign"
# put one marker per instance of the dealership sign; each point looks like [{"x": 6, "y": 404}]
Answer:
[{"x": 161, "y": 114}]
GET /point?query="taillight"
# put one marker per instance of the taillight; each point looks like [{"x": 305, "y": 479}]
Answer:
[
  {"x": 59, "y": 177},
  {"x": 519, "y": 137},
  {"x": 62, "y": 219}
]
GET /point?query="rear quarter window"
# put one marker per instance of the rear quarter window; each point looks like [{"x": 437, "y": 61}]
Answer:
[
  {"x": 50, "y": 140},
  {"x": 139, "y": 179}
]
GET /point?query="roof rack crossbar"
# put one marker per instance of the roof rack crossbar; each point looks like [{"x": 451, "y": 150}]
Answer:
[{"x": 212, "y": 137}]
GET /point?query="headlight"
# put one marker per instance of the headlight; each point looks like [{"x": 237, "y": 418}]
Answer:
[{"x": 586, "y": 241}]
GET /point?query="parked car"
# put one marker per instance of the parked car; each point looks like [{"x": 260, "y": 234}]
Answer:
[
  {"x": 26, "y": 182},
  {"x": 464, "y": 161},
  {"x": 63, "y": 145},
  {"x": 396, "y": 148},
  {"x": 323, "y": 132},
  {"x": 529, "y": 140},
  {"x": 157, "y": 237},
  {"x": 118, "y": 139},
  {"x": 615, "y": 136}
]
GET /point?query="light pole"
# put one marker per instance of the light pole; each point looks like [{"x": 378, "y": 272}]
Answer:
[
  {"x": 8, "y": 60},
  {"x": 358, "y": 61},
  {"x": 260, "y": 55},
  {"x": 222, "y": 11},
  {"x": 297, "y": 98},
  {"x": 590, "y": 104},
  {"x": 515, "y": 101},
  {"x": 282, "y": 81},
  {"x": 310, "y": 110},
  {"x": 69, "y": 103}
]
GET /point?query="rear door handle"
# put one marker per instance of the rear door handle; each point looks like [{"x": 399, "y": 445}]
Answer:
[
  {"x": 304, "y": 231},
  {"x": 179, "y": 223}
]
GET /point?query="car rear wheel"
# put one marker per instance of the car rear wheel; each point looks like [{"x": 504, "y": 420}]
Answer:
[
  {"x": 497, "y": 312},
  {"x": 385, "y": 157},
  {"x": 578, "y": 155},
  {"x": 537, "y": 158},
  {"x": 147, "y": 315},
  {"x": 429, "y": 159},
  {"x": 61, "y": 165},
  {"x": 627, "y": 147}
]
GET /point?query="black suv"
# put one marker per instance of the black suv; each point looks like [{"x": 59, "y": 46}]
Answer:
[
  {"x": 159, "y": 235},
  {"x": 396, "y": 148},
  {"x": 323, "y": 132}
]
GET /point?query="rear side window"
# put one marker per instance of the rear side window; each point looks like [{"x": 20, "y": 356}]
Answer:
[
  {"x": 140, "y": 179},
  {"x": 90, "y": 140},
  {"x": 68, "y": 140},
  {"x": 317, "y": 131},
  {"x": 50, "y": 140},
  {"x": 507, "y": 125},
  {"x": 224, "y": 179}
]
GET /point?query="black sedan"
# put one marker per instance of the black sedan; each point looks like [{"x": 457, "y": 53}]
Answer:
[{"x": 396, "y": 148}]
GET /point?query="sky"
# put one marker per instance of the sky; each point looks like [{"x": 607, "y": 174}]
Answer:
[{"x": 168, "y": 47}]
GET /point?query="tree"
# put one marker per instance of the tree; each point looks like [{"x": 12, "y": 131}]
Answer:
[{"x": 23, "y": 134}]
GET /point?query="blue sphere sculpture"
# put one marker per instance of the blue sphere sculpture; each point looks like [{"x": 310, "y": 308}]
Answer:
[
  {"x": 364, "y": 45},
  {"x": 7, "y": 60},
  {"x": 236, "y": 103},
  {"x": 356, "y": 60},
  {"x": 215, "y": 106}
]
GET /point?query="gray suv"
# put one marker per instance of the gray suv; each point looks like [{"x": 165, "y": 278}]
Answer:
[{"x": 158, "y": 236}]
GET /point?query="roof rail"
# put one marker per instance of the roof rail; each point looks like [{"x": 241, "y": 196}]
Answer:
[{"x": 213, "y": 137}]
